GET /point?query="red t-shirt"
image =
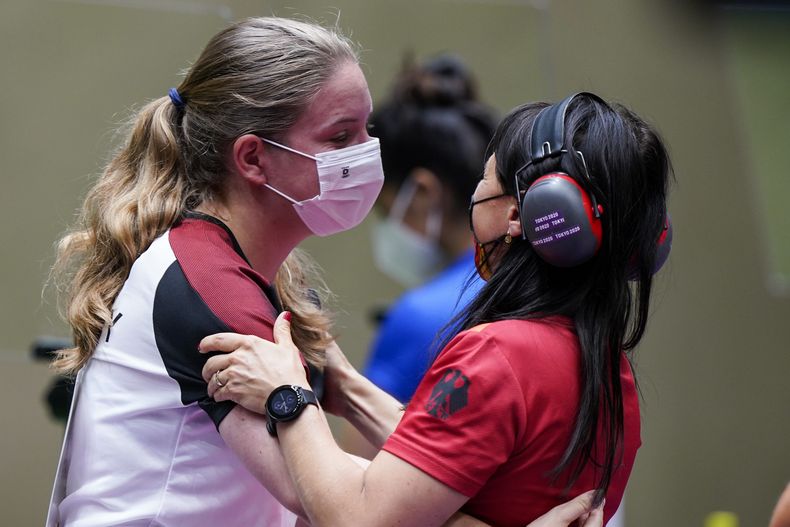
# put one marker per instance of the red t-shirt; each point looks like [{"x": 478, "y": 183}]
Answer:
[{"x": 494, "y": 414}]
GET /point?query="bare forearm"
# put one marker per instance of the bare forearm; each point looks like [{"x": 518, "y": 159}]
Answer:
[
  {"x": 370, "y": 409},
  {"x": 335, "y": 491},
  {"x": 325, "y": 481}
]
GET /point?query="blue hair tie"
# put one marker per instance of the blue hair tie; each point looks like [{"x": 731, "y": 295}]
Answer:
[{"x": 176, "y": 99}]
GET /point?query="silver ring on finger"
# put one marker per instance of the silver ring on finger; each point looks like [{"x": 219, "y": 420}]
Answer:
[{"x": 220, "y": 384}]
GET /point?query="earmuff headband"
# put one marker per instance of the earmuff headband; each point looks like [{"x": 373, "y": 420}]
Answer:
[{"x": 547, "y": 135}]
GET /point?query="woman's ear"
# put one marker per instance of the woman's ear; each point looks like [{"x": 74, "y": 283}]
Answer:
[
  {"x": 247, "y": 156},
  {"x": 514, "y": 220}
]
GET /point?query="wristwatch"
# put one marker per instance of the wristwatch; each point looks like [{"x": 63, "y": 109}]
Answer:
[{"x": 285, "y": 403}]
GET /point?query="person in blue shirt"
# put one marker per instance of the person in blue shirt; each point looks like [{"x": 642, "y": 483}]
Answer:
[{"x": 433, "y": 132}]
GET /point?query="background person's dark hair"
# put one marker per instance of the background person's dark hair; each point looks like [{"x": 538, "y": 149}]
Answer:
[
  {"x": 630, "y": 172},
  {"x": 433, "y": 120}
]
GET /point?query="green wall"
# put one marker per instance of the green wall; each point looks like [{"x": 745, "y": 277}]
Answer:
[
  {"x": 758, "y": 45},
  {"x": 713, "y": 366}
]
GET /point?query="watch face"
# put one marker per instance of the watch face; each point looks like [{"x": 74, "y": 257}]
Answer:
[{"x": 283, "y": 402}]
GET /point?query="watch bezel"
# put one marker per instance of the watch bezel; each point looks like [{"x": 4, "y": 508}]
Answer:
[
  {"x": 302, "y": 400},
  {"x": 297, "y": 390}
]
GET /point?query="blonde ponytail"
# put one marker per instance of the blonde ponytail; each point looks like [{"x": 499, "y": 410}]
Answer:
[{"x": 138, "y": 197}]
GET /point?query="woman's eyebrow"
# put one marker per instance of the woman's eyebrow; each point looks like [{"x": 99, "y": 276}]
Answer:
[{"x": 340, "y": 121}]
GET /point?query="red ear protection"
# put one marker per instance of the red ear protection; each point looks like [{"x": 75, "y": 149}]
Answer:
[
  {"x": 560, "y": 221},
  {"x": 559, "y": 217}
]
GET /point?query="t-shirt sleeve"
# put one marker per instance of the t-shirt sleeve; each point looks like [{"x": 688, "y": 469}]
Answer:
[
  {"x": 465, "y": 418},
  {"x": 184, "y": 313}
]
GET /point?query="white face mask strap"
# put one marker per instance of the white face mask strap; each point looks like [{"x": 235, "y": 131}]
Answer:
[
  {"x": 402, "y": 200},
  {"x": 433, "y": 223},
  {"x": 308, "y": 156},
  {"x": 289, "y": 198}
]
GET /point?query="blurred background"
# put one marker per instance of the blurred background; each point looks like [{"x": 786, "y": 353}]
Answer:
[{"x": 714, "y": 77}]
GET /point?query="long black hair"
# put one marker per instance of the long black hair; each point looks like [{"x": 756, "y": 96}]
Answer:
[{"x": 608, "y": 297}]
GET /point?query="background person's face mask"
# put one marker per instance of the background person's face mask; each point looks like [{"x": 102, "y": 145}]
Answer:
[
  {"x": 403, "y": 254},
  {"x": 349, "y": 181}
]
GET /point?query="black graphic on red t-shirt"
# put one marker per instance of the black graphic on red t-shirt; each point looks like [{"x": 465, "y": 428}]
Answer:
[{"x": 449, "y": 395}]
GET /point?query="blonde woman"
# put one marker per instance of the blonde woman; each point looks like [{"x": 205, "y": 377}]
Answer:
[
  {"x": 190, "y": 230},
  {"x": 185, "y": 232}
]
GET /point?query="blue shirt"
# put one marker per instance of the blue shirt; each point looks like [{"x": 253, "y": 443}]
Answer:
[{"x": 406, "y": 342}]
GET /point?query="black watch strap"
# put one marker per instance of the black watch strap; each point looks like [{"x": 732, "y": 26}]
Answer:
[{"x": 309, "y": 396}]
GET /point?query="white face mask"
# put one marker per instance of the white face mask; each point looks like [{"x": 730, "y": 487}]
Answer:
[
  {"x": 349, "y": 179},
  {"x": 404, "y": 255}
]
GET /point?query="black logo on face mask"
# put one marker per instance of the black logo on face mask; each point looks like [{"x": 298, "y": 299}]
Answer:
[
  {"x": 449, "y": 395},
  {"x": 346, "y": 171}
]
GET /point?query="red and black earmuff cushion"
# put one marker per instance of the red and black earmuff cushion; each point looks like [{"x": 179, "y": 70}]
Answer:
[
  {"x": 559, "y": 220},
  {"x": 664, "y": 244},
  {"x": 663, "y": 248}
]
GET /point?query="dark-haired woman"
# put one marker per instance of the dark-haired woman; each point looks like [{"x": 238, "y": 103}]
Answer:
[
  {"x": 534, "y": 396},
  {"x": 433, "y": 132}
]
